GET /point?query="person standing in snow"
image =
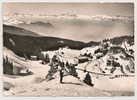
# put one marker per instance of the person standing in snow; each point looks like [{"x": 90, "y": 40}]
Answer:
[
  {"x": 88, "y": 80},
  {"x": 61, "y": 75},
  {"x": 61, "y": 71}
]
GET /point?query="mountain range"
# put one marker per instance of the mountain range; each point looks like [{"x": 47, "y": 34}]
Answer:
[{"x": 21, "y": 18}]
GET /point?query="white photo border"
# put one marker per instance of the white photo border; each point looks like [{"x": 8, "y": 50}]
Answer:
[{"x": 67, "y": 98}]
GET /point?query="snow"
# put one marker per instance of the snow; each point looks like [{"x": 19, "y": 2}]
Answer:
[
  {"x": 71, "y": 87},
  {"x": 36, "y": 85}
]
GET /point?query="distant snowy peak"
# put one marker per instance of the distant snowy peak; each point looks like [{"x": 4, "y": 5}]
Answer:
[
  {"x": 94, "y": 18},
  {"x": 112, "y": 18},
  {"x": 11, "y": 21},
  {"x": 20, "y": 18}
]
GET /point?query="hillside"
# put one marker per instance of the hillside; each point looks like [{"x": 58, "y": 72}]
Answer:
[
  {"x": 30, "y": 45},
  {"x": 16, "y": 30},
  {"x": 121, "y": 39},
  {"x": 22, "y": 41}
]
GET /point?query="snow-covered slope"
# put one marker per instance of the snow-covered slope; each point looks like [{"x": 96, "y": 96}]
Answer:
[{"x": 119, "y": 55}]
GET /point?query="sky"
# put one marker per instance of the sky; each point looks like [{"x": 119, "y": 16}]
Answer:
[
  {"x": 94, "y": 31},
  {"x": 77, "y": 8}
]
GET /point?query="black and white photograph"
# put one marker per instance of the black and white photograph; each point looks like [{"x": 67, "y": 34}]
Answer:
[{"x": 69, "y": 49}]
